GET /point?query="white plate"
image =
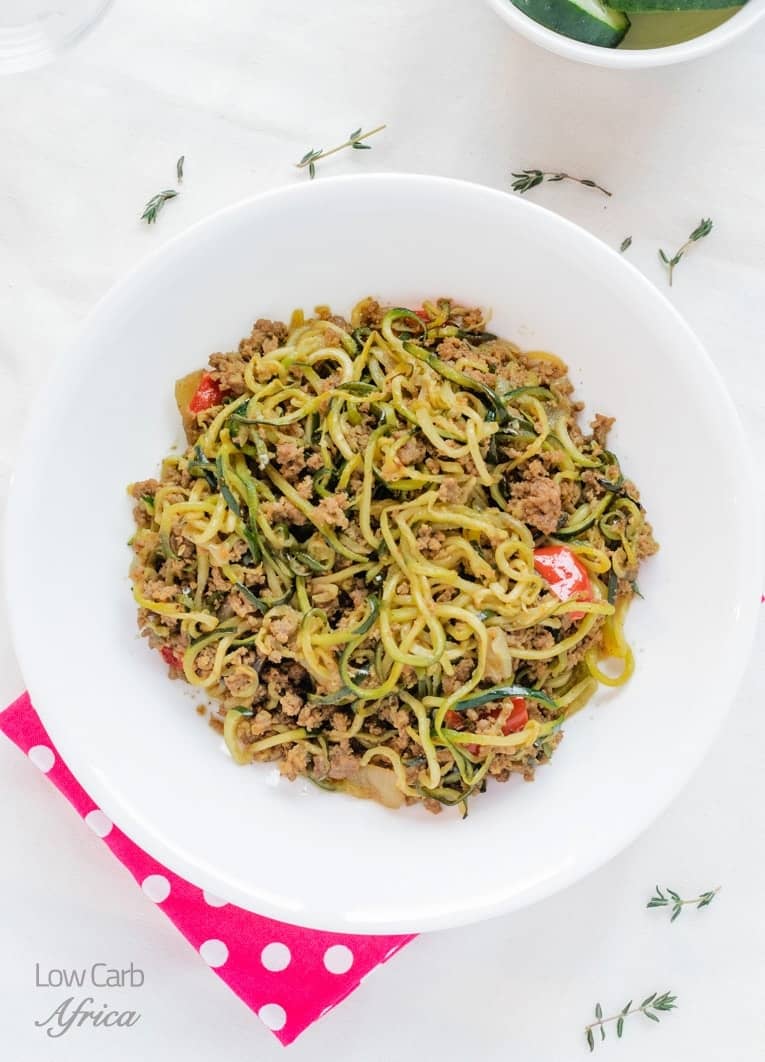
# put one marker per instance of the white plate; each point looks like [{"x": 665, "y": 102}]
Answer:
[{"x": 132, "y": 737}]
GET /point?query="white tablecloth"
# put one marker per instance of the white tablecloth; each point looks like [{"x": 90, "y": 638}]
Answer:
[{"x": 243, "y": 88}]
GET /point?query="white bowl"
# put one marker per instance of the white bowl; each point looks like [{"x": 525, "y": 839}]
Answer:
[
  {"x": 133, "y": 738},
  {"x": 631, "y": 58}
]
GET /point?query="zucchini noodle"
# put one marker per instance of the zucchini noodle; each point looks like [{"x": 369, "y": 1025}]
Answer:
[{"x": 389, "y": 553}]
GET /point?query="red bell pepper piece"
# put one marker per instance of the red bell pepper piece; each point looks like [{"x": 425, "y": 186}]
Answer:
[
  {"x": 207, "y": 394},
  {"x": 171, "y": 658},
  {"x": 565, "y": 574}
]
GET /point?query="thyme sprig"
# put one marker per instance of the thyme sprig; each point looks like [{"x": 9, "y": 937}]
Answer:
[
  {"x": 649, "y": 1007},
  {"x": 528, "y": 179},
  {"x": 671, "y": 899},
  {"x": 355, "y": 141},
  {"x": 703, "y": 229},
  {"x": 155, "y": 204}
]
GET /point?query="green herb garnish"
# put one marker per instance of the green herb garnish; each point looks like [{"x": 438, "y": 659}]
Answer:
[
  {"x": 528, "y": 179},
  {"x": 703, "y": 229},
  {"x": 155, "y": 204},
  {"x": 157, "y": 201},
  {"x": 649, "y": 1007},
  {"x": 355, "y": 140},
  {"x": 671, "y": 899}
]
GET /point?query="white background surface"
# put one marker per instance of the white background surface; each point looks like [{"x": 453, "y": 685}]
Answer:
[{"x": 243, "y": 89}]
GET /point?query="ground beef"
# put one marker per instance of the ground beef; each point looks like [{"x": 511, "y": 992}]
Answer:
[
  {"x": 141, "y": 512},
  {"x": 158, "y": 590},
  {"x": 291, "y": 460},
  {"x": 450, "y": 491},
  {"x": 343, "y": 762},
  {"x": 291, "y": 703},
  {"x": 237, "y": 682},
  {"x": 601, "y": 426},
  {"x": 452, "y": 349},
  {"x": 228, "y": 372},
  {"x": 472, "y": 320},
  {"x": 429, "y": 542},
  {"x": 398, "y": 717},
  {"x": 570, "y": 493},
  {"x": 510, "y": 366},
  {"x": 412, "y": 452},
  {"x": 358, "y": 436},
  {"x": 646, "y": 543},
  {"x": 331, "y": 338},
  {"x": 312, "y": 716},
  {"x": 359, "y": 596},
  {"x": 531, "y": 638},
  {"x": 331, "y": 510},
  {"x": 462, "y": 673},
  {"x": 294, "y": 762},
  {"x": 240, "y": 605},
  {"x": 547, "y": 371},
  {"x": 483, "y": 374},
  {"x": 370, "y": 313},
  {"x": 283, "y": 511},
  {"x": 537, "y": 502},
  {"x": 143, "y": 487},
  {"x": 340, "y": 721},
  {"x": 204, "y": 660},
  {"x": 592, "y": 488},
  {"x": 284, "y": 626},
  {"x": 324, "y": 314},
  {"x": 283, "y": 678},
  {"x": 217, "y": 581},
  {"x": 538, "y": 467},
  {"x": 228, "y": 369},
  {"x": 265, "y": 337}
]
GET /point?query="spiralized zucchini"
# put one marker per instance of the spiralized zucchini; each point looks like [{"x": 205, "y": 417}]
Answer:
[{"x": 345, "y": 557}]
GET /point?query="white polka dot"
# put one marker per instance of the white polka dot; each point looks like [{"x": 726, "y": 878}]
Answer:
[
  {"x": 214, "y": 952},
  {"x": 212, "y": 900},
  {"x": 99, "y": 823},
  {"x": 273, "y": 1016},
  {"x": 338, "y": 959},
  {"x": 276, "y": 956},
  {"x": 156, "y": 887},
  {"x": 42, "y": 757}
]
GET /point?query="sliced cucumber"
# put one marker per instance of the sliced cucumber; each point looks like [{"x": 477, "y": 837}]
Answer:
[
  {"x": 647, "y": 6},
  {"x": 589, "y": 21}
]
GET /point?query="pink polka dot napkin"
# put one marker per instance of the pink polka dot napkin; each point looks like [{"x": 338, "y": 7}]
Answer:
[{"x": 288, "y": 975}]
